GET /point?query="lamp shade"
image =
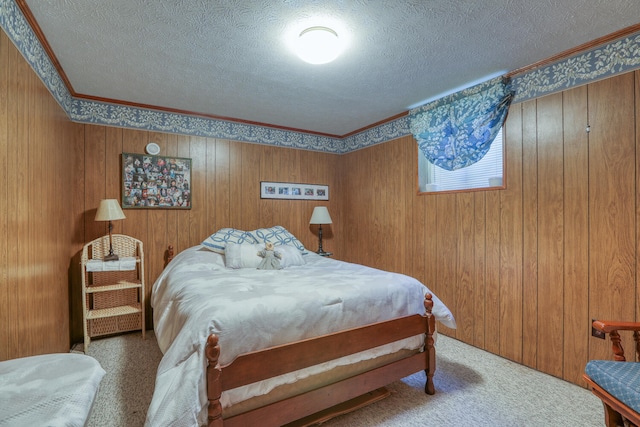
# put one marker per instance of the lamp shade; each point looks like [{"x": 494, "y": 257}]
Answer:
[
  {"x": 109, "y": 210},
  {"x": 320, "y": 215}
]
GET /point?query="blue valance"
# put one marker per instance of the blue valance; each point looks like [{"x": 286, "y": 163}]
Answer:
[{"x": 456, "y": 131}]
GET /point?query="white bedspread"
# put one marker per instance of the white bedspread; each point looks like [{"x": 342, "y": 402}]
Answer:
[
  {"x": 252, "y": 309},
  {"x": 54, "y": 390}
]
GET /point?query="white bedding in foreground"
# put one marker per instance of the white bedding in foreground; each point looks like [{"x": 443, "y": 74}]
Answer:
[
  {"x": 251, "y": 309},
  {"x": 53, "y": 390}
]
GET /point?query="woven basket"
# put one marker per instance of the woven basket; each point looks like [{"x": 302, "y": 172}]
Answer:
[
  {"x": 114, "y": 325},
  {"x": 113, "y": 299},
  {"x": 111, "y": 277}
]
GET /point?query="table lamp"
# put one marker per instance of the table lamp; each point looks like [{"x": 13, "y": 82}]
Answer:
[
  {"x": 320, "y": 216},
  {"x": 109, "y": 210}
]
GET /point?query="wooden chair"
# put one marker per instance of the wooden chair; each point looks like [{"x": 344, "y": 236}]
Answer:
[{"x": 617, "y": 385}]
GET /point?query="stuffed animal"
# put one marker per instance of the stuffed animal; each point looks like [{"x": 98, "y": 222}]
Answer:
[{"x": 271, "y": 257}]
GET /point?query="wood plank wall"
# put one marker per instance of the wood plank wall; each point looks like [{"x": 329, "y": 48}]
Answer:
[
  {"x": 38, "y": 212},
  {"x": 525, "y": 269},
  {"x": 225, "y": 185}
]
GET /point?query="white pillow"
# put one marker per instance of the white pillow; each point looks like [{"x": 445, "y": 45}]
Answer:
[
  {"x": 242, "y": 256},
  {"x": 290, "y": 256},
  {"x": 246, "y": 255}
]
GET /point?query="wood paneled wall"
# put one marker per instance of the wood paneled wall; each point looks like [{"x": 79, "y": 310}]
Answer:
[
  {"x": 525, "y": 269},
  {"x": 39, "y": 211},
  {"x": 225, "y": 185}
]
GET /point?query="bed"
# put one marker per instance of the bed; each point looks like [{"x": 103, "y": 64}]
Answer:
[{"x": 244, "y": 346}]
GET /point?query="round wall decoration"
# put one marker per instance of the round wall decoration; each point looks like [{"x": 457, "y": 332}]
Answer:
[{"x": 153, "y": 148}]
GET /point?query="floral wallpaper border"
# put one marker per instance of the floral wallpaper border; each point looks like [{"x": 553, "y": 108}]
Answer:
[
  {"x": 613, "y": 58},
  {"x": 608, "y": 60},
  {"x": 101, "y": 113}
]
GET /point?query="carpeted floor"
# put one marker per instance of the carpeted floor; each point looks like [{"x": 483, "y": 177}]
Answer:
[{"x": 473, "y": 388}]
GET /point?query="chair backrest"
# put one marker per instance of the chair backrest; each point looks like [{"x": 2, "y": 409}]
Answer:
[{"x": 613, "y": 381}]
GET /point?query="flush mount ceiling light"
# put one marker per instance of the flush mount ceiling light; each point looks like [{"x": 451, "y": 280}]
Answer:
[{"x": 318, "y": 45}]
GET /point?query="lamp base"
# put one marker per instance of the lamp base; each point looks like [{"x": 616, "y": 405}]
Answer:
[
  {"x": 323, "y": 253},
  {"x": 111, "y": 257}
]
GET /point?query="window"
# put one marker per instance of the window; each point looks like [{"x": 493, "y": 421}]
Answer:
[{"x": 487, "y": 173}]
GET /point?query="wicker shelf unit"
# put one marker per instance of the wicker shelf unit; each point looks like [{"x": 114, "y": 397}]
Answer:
[{"x": 112, "y": 291}]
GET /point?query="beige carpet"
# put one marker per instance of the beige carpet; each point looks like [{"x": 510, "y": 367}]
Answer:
[{"x": 473, "y": 388}]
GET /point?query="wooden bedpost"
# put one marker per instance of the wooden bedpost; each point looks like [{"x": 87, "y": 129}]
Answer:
[
  {"x": 169, "y": 255},
  {"x": 429, "y": 347},
  {"x": 214, "y": 387}
]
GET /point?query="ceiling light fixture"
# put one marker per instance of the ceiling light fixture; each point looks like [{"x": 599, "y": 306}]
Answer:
[{"x": 318, "y": 45}]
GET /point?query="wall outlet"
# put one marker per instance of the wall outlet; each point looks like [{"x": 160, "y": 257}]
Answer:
[{"x": 596, "y": 333}]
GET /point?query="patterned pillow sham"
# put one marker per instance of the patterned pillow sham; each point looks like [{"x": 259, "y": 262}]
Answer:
[
  {"x": 218, "y": 240},
  {"x": 278, "y": 235}
]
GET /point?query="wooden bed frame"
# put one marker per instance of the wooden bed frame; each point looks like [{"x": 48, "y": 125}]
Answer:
[{"x": 336, "y": 397}]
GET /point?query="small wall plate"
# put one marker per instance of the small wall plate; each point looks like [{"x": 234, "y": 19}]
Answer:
[{"x": 152, "y": 148}]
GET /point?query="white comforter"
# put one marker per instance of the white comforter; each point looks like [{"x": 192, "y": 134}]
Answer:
[{"x": 251, "y": 309}]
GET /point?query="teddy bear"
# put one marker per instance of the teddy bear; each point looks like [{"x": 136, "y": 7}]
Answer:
[{"x": 271, "y": 258}]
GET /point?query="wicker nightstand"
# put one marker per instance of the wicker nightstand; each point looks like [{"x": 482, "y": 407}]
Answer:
[{"x": 112, "y": 291}]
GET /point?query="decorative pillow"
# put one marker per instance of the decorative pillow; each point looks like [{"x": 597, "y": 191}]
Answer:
[
  {"x": 242, "y": 256},
  {"x": 218, "y": 240},
  {"x": 277, "y": 235},
  {"x": 246, "y": 255},
  {"x": 291, "y": 256}
]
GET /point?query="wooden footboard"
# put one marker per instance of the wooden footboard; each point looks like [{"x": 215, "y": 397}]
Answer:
[{"x": 268, "y": 363}]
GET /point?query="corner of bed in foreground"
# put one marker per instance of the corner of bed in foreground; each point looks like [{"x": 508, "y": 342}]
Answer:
[{"x": 257, "y": 366}]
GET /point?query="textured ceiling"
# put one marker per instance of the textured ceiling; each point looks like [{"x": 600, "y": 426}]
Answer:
[{"x": 231, "y": 59}]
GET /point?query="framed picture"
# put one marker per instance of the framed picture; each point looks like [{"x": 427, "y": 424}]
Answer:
[
  {"x": 292, "y": 191},
  {"x": 156, "y": 182}
]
